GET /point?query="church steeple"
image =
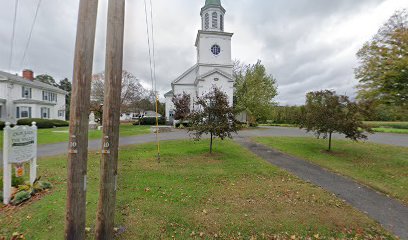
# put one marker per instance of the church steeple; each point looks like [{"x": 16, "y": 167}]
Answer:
[{"x": 212, "y": 16}]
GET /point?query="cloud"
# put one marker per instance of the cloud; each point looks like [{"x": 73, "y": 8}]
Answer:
[{"x": 306, "y": 44}]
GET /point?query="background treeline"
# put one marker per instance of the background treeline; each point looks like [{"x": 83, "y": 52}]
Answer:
[
  {"x": 284, "y": 115},
  {"x": 292, "y": 114}
]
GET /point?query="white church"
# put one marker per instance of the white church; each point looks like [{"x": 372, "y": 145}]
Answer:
[{"x": 214, "y": 64}]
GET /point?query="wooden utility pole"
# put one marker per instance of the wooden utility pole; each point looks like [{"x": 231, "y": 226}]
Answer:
[
  {"x": 79, "y": 119},
  {"x": 111, "y": 120}
]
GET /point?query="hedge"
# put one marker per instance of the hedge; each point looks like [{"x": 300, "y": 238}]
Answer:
[
  {"x": 60, "y": 123},
  {"x": 152, "y": 121},
  {"x": 43, "y": 123}
]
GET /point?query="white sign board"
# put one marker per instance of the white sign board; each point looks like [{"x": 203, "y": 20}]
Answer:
[
  {"x": 19, "y": 146},
  {"x": 22, "y": 144}
]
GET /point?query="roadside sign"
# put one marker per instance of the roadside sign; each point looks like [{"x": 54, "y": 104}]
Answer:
[
  {"x": 19, "y": 146},
  {"x": 22, "y": 144}
]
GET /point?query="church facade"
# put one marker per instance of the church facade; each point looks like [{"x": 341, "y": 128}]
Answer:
[{"x": 214, "y": 64}]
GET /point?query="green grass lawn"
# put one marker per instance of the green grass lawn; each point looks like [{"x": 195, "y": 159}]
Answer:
[
  {"x": 380, "y": 127},
  {"x": 389, "y": 127},
  {"x": 382, "y": 167},
  {"x": 56, "y": 135},
  {"x": 231, "y": 194},
  {"x": 391, "y": 130}
]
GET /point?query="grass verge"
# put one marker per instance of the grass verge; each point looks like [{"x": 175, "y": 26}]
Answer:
[
  {"x": 231, "y": 194},
  {"x": 382, "y": 167},
  {"x": 391, "y": 130}
]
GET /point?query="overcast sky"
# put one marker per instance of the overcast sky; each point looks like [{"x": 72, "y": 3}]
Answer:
[{"x": 305, "y": 44}]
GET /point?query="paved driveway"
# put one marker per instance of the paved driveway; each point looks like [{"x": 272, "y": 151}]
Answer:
[{"x": 391, "y": 213}]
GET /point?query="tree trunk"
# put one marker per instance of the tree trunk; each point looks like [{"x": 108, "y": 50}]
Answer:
[
  {"x": 111, "y": 120},
  {"x": 79, "y": 121},
  {"x": 330, "y": 141},
  {"x": 211, "y": 142}
]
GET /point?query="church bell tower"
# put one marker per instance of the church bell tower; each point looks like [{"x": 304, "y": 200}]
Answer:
[
  {"x": 212, "y": 16},
  {"x": 213, "y": 43}
]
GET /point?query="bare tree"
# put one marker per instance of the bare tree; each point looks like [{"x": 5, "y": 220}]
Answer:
[{"x": 132, "y": 90}]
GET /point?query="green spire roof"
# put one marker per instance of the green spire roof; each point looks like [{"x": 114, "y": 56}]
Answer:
[{"x": 212, "y": 2}]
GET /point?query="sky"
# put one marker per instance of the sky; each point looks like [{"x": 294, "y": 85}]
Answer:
[{"x": 307, "y": 45}]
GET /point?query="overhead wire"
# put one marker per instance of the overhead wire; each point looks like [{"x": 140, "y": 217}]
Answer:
[
  {"x": 148, "y": 44},
  {"x": 31, "y": 32},
  {"x": 153, "y": 46},
  {"x": 155, "y": 84},
  {"x": 13, "y": 35},
  {"x": 152, "y": 61}
]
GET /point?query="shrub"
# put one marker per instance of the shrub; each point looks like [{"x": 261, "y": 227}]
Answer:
[
  {"x": 44, "y": 185},
  {"x": 183, "y": 125},
  {"x": 16, "y": 181},
  {"x": 43, "y": 123},
  {"x": 20, "y": 197},
  {"x": 60, "y": 123},
  {"x": 152, "y": 121}
]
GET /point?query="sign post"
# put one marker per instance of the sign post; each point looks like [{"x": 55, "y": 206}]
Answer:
[{"x": 19, "y": 147}]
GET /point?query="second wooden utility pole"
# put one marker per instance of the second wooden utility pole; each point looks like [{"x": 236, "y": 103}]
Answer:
[
  {"x": 79, "y": 121},
  {"x": 111, "y": 120}
]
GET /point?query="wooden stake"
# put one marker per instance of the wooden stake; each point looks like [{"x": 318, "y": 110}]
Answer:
[
  {"x": 79, "y": 119},
  {"x": 111, "y": 120}
]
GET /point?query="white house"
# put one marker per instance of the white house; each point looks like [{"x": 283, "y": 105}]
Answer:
[
  {"x": 25, "y": 97},
  {"x": 214, "y": 64}
]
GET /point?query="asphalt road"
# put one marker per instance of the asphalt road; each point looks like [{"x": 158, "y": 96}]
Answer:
[{"x": 61, "y": 148}]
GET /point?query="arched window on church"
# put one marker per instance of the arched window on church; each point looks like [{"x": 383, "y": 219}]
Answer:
[
  {"x": 214, "y": 20},
  {"x": 222, "y": 22},
  {"x": 207, "y": 21}
]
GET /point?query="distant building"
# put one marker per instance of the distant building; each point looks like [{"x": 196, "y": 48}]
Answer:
[
  {"x": 214, "y": 64},
  {"x": 151, "y": 114},
  {"x": 25, "y": 97},
  {"x": 129, "y": 116}
]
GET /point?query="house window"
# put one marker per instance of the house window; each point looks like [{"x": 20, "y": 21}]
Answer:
[
  {"x": 214, "y": 20},
  {"x": 23, "y": 112},
  {"x": 45, "y": 112},
  {"x": 222, "y": 22},
  {"x": 207, "y": 21},
  {"x": 26, "y": 92},
  {"x": 61, "y": 113},
  {"x": 49, "y": 96}
]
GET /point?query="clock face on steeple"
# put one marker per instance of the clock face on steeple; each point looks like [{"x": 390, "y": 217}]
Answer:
[{"x": 216, "y": 50}]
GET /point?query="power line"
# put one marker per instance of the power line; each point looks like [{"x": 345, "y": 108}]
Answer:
[
  {"x": 31, "y": 32},
  {"x": 153, "y": 44},
  {"x": 148, "y": 43},
  {"x": 153, "y": 73},
  {"x": 13, "y": 35}
]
